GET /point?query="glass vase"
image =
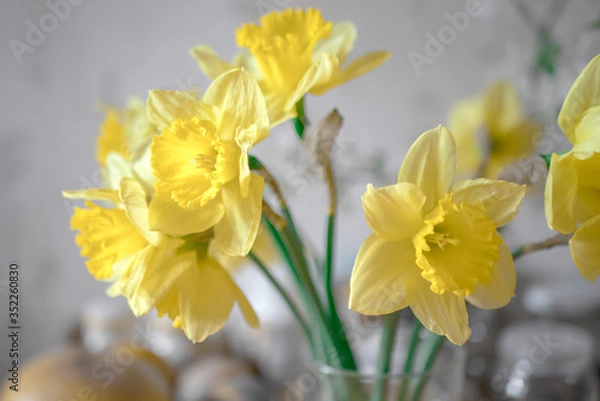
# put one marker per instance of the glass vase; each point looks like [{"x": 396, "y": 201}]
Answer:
[{"x": 444, "y": 382}]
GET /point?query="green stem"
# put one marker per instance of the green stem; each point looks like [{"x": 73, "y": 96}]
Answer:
[
  {"x": 435, "y": 349},
  {"x": 386, "y": 348},
  {"x": 329, "y": 291},
  {"x": 412, "y": 349},
  {"x": 285, "y": 296},
  {"x": 300, "y": 121},
  {"x": 517, "y": 253},
  {"x": 336, "y": 332},
  {"x": 283, "y": 249}
]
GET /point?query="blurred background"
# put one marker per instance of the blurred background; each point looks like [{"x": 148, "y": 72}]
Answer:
[{"x": 108, "y": 50}]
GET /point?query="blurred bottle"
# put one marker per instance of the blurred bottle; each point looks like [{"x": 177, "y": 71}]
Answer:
[{"x": 544, "y": 361}]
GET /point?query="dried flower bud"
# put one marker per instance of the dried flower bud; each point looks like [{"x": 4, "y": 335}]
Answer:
[
  {"x": 531, "y": 171},
  {"x": 320, "y": 137}
]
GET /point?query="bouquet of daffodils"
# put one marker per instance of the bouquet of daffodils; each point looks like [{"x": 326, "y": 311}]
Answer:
[{"x": 183, "y": 203}]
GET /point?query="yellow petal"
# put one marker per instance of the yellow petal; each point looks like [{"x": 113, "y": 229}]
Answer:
[
  {"x": 394, "y": 212},
  {"x": 245, "y": 60},
  {"x": 358, "y": 67},
  {"x": 116, "y": 167},
  {"x": 561, "y": 190},
  {"x": 136, "y": 206},
  {"x": 445, "y": 315},
  {"x": 278, "y": 111},
  {"x": 382, "y": 275},
  {"x": 247, "y": 310},
  {"x": 245, "y": 138},
  {"x": 142, "y": 169},
  {"x": 340, "y": 43},
  {"x": 497, "y": 292},
  {"x": 157, "y": 275},
  {"x": 583, "y": 95},
  {"x": 206, "y": 296},
  {"x": 240, "y": 104},
  {"x": 430, "y": 164},
  {"x": 588, "y": 129},
  {"x": 168, "y": 218},
  {"x": 93, "y": 194},
  {"x": 587, "y": 203},
  {"x": 112, "y": 136},
  {"x": 164, "y": 107},
  {"x": 500, "y": 199},
  {"x": 124, "y": 278},
  {"x": 465, "y": 119},
  {"x": 319, "y": 74},
  {"x": 585, "y": 250},
  {"x": 138, "y": 128},
  {"x": 209, "y": 62},
  {"x": 236, "y": 232},
  {"x": 502, "y": 107}
]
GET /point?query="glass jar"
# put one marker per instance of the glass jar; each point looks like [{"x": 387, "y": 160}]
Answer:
[
  {"x": 545, "y": 361},
  {"x": 443, "y": 383}
]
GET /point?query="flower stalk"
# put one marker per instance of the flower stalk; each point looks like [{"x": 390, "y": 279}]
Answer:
[{"x": 554, "y": 241}]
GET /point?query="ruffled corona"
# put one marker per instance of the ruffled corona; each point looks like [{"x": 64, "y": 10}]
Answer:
[
  {"x": 283, "y": 45},
  {"x": 192, "y": 163},
  {"x": 105, "y": 237},
  {"x": 462, "y": 234}
]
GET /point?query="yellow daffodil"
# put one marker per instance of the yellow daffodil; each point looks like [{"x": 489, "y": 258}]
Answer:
[
  {"x": 491, "y": 131},
  {"x": 200, "y": 161},
  {"x": 435, "y": 244},
  {"x": 124, "y": 131},
  {"x": 573, "y": 187},
  {"x": 291, "y": 53},
  {"x": 124, "y": 145},
  {"x": 177, "y": 276}
]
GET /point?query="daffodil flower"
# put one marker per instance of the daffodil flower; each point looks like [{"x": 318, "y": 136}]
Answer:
[
  {"x": 434, "y": 243},
  {"x": 573, "y": 187},
  {"x": 124, "y": 131},
  {"x": 492, "y": 129},
  {"x": 178, "y": 277},
  {"x": 123, "y": 148},
  {"x": 291, "y": 53},
  {"x": 200, "y": 161}
]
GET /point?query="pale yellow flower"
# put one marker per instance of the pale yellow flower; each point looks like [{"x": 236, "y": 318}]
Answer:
[
  {"x": 200, "y": 161},
  {"x": 124, "y": 131},
  {"x": 434, "y": 243},
  {"x": 123, "y": 147},
  {"x": 573, "y": 186},
  {"x": 492, "y": 129},
  {"x": 292, "y": 53},
  {"x": 178, "y": 277}
]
